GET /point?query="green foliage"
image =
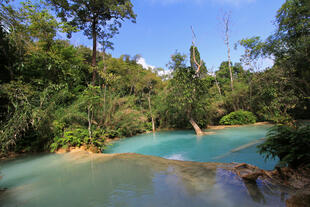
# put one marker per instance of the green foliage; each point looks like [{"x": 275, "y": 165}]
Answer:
[
  {"x": 253, "y": 48},
  {"x": 274, "y": 96},
  {"x": 238, "y": 118},
  {"x": 187, "y": 93},
  {"x": 288, "y": 47},
  {"x": 100, "y": 20},
  {"x": 203, "y": 69},
  {"x": 40, "y": 24},
  {"x": 78, "y": 137},
  {"x": 290, "y": 144},
  {"x": 101, "y": 17},
  {"x": 123, "y": 118}
]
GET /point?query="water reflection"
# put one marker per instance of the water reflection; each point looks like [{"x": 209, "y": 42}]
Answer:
[{"x": 80, "y": 179}]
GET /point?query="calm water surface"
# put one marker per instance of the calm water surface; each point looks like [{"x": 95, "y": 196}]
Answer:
[
  {"x": 83, "y": 180},
  {"x": 185, "y": 145},
  {"x": 98, "y": 180}
]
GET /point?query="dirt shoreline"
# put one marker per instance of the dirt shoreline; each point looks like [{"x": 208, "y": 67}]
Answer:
[{"x": 217, "y": 127}]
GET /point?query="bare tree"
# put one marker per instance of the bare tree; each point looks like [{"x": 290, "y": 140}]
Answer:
[
  {"x": 226, "y": 20},
  {"x": 198, "y": 131},
  {"x": 216, "y": 82},
  {"x": 198, "y": 65}
]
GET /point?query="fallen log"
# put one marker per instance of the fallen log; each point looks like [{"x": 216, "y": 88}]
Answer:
[
  {"x": 242, "y": 147},
  {"x": 247, "y": 145}
]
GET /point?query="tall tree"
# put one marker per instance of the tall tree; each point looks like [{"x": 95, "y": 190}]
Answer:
[
  {"x": 289, "y": 46},
  {"x": 97, "y": 18},
  {"x": 186, "y": 92},
  {"x": 227, "y": 22},
  {"x": 291, "y": 43},
  {"x": 196, "y": 62}
]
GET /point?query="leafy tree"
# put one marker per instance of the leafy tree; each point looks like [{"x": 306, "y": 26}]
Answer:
[
  {"x": 186, "y": 92},
  {"x": 40, "y": 25},
  {"x": 274, "y": 96},
  {"x": 98, "y": 19},
  {"x": 196, "y": 62},
  {"x": 254, "y": 49},
  {"x": 238, "y": 98},
  {"x": 289, "y": 47},
  {"x": 150, "y": 84}
]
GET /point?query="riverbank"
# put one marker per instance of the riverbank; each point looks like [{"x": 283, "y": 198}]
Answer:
[
  {"x": 218, "y": 127},
  {"x": 109, "y": 141}
]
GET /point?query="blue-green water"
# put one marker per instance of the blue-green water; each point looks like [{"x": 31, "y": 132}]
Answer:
[
  {"x": 128, "y": 180},
  {"x": 185, "y": 145}
]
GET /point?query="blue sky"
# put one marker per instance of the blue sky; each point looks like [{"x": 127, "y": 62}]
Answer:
[{"x": 163, "y": 26}]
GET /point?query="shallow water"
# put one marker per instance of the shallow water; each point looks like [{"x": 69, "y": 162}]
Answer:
[
  {"x": 185, "y": 145},
  {"x": 99, "y": 180},
  {"x": 81, "y": 179}
]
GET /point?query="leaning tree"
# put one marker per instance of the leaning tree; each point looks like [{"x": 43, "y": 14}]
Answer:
[{"x": 187, "y": 91}]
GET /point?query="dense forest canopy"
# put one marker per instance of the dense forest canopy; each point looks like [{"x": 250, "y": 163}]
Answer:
[{"x": 54, "y": 94}]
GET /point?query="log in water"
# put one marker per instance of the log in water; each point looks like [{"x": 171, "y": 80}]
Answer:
[{"x": 185, "y": 145}]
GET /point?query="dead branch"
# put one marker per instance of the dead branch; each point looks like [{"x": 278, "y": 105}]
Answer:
[{"x": 194, "y": 52}]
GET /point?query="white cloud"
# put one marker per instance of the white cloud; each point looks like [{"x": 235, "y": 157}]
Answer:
[
  {"x": 142, "y": 62},
  {"x": 159, "y": 71},
  {"x": 165, "y": 73}
]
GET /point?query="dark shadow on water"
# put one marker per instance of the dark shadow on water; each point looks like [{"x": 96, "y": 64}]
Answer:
[{"x": 255, "y": 192}]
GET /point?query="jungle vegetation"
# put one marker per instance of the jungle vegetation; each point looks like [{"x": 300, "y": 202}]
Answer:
[{"x": 54, "y": 94}]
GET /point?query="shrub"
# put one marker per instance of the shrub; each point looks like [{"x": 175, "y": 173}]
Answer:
[
  {"x": 111, "y": 133},
  {"x": 78, "y": 137},
  {"x": 290, "y": 144},
  {"x": 238, "y": 118}
]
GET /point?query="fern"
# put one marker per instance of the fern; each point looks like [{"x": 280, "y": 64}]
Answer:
[{"x": 290, "y": 144}]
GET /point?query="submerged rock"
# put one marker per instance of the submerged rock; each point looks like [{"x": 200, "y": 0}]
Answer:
[{"x": 299, "y": 200}]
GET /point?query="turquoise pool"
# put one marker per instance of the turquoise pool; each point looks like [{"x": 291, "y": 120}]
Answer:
[
  {"x": 185, "y": 145},
  {"x": 128, "y": 180}
]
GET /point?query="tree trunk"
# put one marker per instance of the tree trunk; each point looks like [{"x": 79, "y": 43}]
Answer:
[
  {"x": 198, "y": 131},
  {"x": 150, "y": 108},
  {"x": 226, "y": 20},
  {"x": 218, "y": 86},
  {"x": 229, "y": 65},
  {"x": 105, "y": 84},
  {"x": 104, "y": 100},
  {"x": 94, "y": 34},
  {"x": 89, "y": 116}
]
